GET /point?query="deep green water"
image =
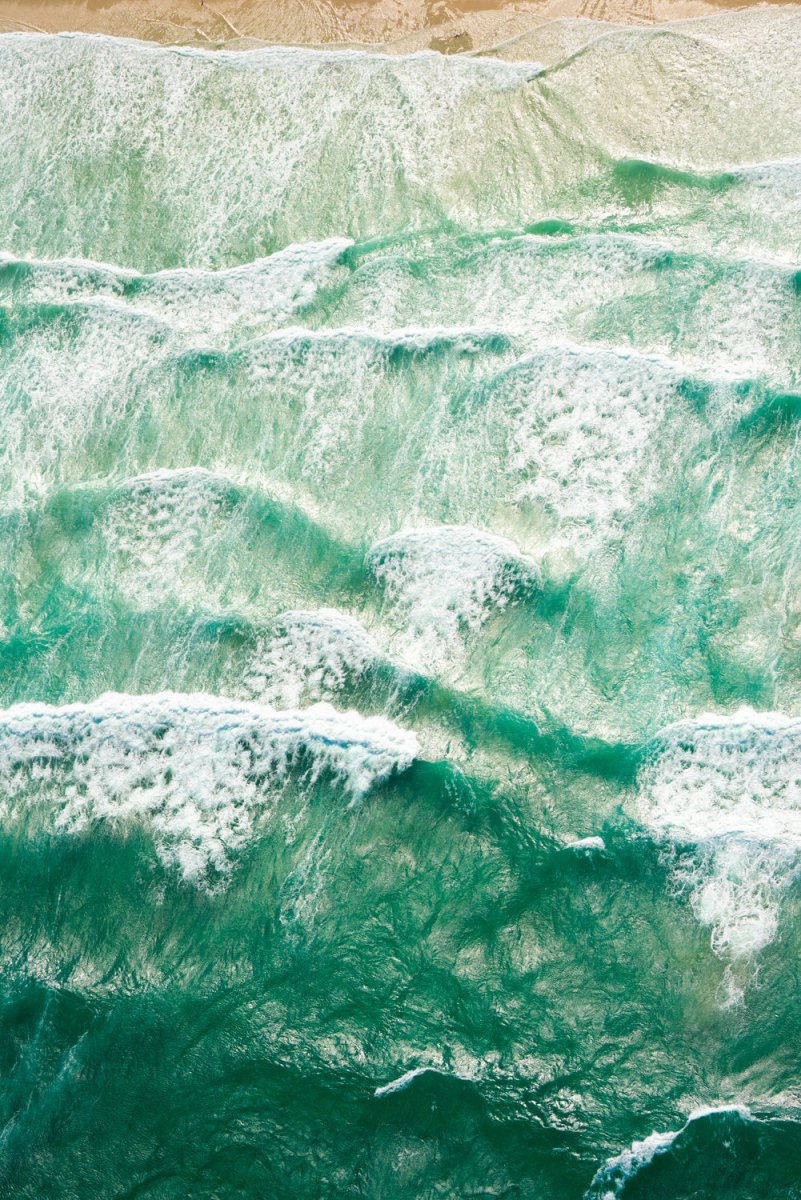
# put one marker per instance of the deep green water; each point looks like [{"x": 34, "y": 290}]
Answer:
[{"x": 400, "y": 619}]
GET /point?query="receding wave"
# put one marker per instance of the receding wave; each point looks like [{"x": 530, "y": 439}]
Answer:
[{"x": 203, "y": 201}]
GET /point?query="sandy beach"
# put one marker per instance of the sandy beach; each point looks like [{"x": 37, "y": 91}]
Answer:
[{"x": 451, "y": 26}]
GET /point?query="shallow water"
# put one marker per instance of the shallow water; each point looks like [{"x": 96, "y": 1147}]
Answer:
[{"x": 400, "y": 635}]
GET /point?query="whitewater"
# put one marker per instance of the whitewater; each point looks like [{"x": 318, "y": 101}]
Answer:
[{"x": 400, "y": 617}]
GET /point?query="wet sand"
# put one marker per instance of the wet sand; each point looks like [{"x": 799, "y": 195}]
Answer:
[{"x": 402, "y": 25}]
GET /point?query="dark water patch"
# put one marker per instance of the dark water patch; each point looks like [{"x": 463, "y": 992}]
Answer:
[
  {"x": 243, "y": 1120},
  {"x": 772, "y": 413},
  {"x": 551, "y": 227},
  {"x": 639, "y": 180}
]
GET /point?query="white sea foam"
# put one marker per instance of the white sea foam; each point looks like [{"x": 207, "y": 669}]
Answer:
[
  {"x": 338, "y": 392},
  {"x": 199, "y": 771},
  {"x": 243, "y": 184},
  {"x": 308, "y": 656},
  {"x": 405, "y": 141},
  {"x": 110, "y": 375},
  {"x": 610, "y": 1180},
  {"x": 570, "y": 429},
  {"x": 160, "y": 530},
  {"x": 62, "y": 383},
  {"x": 729, "y": 788},
  {"x": 582, "y": 429},
  {"x": 744, "y": 322},
  {"x": 443, "y": 582},
  {"x": 587, "y": 845},
  {"x": 638, "y": 88},
  {"x": 469, "y": 339},
  {"x": 403, "y": 1081},
  {"x": 616, "y": 290},
  {"x": 205, "y": 304}
]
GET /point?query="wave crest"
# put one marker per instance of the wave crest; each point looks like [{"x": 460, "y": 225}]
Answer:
[
  {"x": 197, "y": 769},
  {"x": 729, "y": 787}
]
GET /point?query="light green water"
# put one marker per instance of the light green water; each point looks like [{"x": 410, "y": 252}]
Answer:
[{"x": 400, "y": 633}]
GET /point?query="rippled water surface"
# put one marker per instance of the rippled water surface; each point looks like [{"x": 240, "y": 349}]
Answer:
[{"x": 400, "y": 619}]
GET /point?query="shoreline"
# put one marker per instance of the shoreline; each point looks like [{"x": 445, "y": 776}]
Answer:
[{"x": 399, "y": 26}]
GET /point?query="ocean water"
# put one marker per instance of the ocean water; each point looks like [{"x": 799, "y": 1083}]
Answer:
[{"x": 400, "y": 618}]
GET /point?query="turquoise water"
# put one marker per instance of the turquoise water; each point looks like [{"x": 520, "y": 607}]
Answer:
[{"x": 400, "y": 632}]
